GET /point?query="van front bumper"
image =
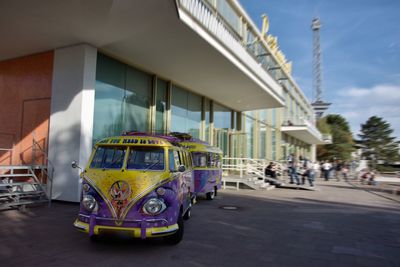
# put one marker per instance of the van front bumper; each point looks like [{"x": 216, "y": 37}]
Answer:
[{"x": 138, "y": 232}]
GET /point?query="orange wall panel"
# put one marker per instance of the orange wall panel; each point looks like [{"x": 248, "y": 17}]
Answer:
[{"x": 25, "y": 93}]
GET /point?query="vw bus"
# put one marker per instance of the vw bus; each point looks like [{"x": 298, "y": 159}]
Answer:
[
  {"x": 207, "y": 166},
  {"x": 138, "y": 184}
]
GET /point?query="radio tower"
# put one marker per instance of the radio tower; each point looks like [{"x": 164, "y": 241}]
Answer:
[{"x": 319, "y": 105}]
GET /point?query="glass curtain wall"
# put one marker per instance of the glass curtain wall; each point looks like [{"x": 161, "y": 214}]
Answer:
[
  {"x": 250, "y": 122},
  {"x": 207, "y": 109},
  {"x": 137, "y": 100},
  {"x": 122, "y": 97},
  {"x": 161, "y": 106},
  {"x": 222, "y": 125},
  {"x": 185, "y": 112}
]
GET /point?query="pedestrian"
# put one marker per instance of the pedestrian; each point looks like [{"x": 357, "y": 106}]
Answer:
[
  {"x": 270, "y": 170},
  {"x": 309, "y": 173},
  {"x": 326, "y": 168},
  {"x": 345, "y": 171},
  {"x": 292, "y": 169}
]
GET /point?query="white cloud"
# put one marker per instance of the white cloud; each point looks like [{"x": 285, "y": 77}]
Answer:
[{"x": 359, "y": 104}]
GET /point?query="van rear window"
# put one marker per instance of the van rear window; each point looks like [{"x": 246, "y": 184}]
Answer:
[
  {"x": 108, "y": 157},
  {"x": 146, "y": 158}
]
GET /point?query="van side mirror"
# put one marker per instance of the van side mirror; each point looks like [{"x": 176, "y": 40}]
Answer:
[
  {"x": 75, "y": 165},
  {"x": 181, "y": 168}
]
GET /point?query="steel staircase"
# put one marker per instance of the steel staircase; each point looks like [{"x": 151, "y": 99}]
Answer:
[
  {"x": 19, "y": 186},
  {"x": 248, "y": 173}
]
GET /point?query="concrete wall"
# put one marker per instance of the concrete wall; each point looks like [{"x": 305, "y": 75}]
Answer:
[{"x": 71, "y": 121}]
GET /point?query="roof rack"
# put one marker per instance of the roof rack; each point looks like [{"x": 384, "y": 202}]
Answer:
[{"x": 182, "y": 136}]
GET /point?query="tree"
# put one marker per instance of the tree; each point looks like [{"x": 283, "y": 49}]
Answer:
[
  {"x": 377, "y": 141},
  {"x": 342, "y": 139}
]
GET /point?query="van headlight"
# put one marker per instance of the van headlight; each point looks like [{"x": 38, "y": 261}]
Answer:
[
  {"x": 89, "y": 203},
  {"x": 154, "y": 206}
]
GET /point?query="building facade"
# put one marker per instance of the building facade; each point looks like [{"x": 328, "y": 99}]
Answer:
[{"x": 78, "y": 71}]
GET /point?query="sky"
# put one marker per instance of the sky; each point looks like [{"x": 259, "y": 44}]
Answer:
[{"x": 360, "y": 45}]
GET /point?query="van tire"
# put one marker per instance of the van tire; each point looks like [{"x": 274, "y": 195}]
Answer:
[
  {"x": 210, "y": 195},
  {"x": 176, "y": 237}
]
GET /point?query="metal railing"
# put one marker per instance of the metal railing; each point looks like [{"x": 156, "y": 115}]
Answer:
[
  {"x": 215, "y": 24},
  {"x": 246, "y": 166},
  {"x": 19, "y": 186},
  {"x": 37, "y": 146}
]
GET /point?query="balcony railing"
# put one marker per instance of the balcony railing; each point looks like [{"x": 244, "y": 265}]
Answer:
[
  {"x": 301, "y": 121},
  {"x": 220, "y": 29}
]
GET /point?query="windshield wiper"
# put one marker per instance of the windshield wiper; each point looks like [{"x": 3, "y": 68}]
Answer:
[{"x": 152, "y": 165}]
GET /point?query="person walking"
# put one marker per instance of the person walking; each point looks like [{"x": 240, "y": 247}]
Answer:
[
  {"x": 292, "y": 169},
  {"x": 326, "y": 168},
  {"x": 309, "y": 173}
]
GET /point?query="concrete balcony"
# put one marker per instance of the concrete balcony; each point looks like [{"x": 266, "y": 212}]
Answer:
[
  {"x": 303, "y": 130},
  {"x": 178, "y": 40}
]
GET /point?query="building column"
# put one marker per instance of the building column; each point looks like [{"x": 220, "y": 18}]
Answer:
[{"x": 71, "y": 119}]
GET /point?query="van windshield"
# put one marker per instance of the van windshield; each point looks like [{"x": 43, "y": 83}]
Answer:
[
  {"x": 146, "y": 158},
  {"x": 200, "y": 159},
  {"x": 108, "y": 157}
]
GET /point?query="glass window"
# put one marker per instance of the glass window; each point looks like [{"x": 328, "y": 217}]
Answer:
[
  {"x": 109, "y": 97},
  {"x": 194, "y": 115},
  {"x": 199, "y": 159},
  {"x": 122, "y": 98},
  {"x": 250, "y": 132},
  {"x": 137, "y": 100},
  {"x": 186, "y": 112},
  {"x": 207, "y": 118},
  {"x": 108, "y": 157},
  {"x": 171, "y": 160},
  {"x": 263, "y": 137},
  {"x": 222, "y": 117},
  {"x": 229, "y": 14},
  {"x": 161, "y": 106},
  {"x": 146, "y": 158},
  {"x": 179, "y": 106}
]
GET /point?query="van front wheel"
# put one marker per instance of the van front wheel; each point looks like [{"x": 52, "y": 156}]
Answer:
[{"x": 176, "y": 237}]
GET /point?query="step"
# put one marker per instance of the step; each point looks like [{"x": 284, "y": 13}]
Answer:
[
  {"x": 32, "y": 193},
  {"x": 9, "y": 175},
  {"x": 17, "y": 184}
]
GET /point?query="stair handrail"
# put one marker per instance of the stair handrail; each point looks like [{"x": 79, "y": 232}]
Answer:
[{"x": 49, "y": 177}]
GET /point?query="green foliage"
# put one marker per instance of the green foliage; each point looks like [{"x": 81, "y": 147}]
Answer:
[
  {"x": 378, "y": 143},
  {"x": 342, "y": 139},
  {"x": 385, "y": 168}
]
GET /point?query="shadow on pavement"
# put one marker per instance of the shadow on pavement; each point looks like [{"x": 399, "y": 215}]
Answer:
[{"x": 263, "y": 231}]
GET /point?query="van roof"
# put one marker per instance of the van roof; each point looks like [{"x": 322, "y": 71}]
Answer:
[
  {"x": 137, "y": 141},
  {"x": 200, "y": 147}
]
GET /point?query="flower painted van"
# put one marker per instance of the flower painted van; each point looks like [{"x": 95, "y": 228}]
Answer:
[
  {"x": 138, "y": 184},
  {"x": 206, "y": 167}
]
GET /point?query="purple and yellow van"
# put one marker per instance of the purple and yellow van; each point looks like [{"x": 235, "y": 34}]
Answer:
[
  {"x": 138, "y": 184},
  {"x": 207, "y": 167}
]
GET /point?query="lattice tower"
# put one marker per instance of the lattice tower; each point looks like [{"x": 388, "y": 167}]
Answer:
[{"x": 317, "y": 77}]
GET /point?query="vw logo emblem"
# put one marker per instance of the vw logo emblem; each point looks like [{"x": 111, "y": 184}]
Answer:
[{"x": 120, "y": 190}]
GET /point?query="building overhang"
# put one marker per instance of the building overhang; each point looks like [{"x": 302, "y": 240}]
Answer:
[
  {"x": 305, "y": 134},
  {"x": 156, "y": 36}
]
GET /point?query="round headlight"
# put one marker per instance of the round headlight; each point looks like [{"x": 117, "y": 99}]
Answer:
[
  {"x": 154, "y": 206},
  {"x": 89, "y": 202}
]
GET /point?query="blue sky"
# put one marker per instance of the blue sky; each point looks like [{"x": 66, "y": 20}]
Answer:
[{"x": 360, "y": 43}]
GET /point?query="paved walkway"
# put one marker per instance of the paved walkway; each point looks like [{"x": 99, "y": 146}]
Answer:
[{"x": 337, "y": 225}]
